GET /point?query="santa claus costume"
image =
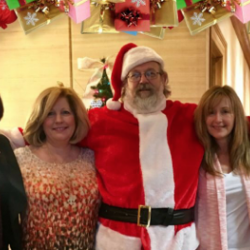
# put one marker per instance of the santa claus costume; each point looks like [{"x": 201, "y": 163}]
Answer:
[{"x": 144, "y": 159}]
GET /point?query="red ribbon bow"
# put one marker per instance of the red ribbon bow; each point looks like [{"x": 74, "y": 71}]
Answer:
[{"x": 130, "y": 16}]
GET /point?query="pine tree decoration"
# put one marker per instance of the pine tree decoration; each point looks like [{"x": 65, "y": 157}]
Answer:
[{"x": 102, "y": 90}]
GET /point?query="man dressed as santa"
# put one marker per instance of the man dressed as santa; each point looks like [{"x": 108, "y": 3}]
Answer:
[{"x": 147, "y": 158}]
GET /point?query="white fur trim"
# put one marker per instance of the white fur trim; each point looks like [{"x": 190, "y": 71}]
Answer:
[
  {"x": 15, "y": 137},
  {"x": 113, "y": 105},
  {"x": 108, "y": 239},
  {"x": 156, "y": 160},
  {"x": 157, "y": 172},
  {"x": 164, "y": 238},
  {"x": 137, "y": 56},
  {"x": 190, "y": 238}
]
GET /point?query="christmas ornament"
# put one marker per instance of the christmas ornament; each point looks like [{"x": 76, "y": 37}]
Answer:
[
  {"x": 101, "y": 20},
  {"x": 132, "y": 15},
  {"x": 79, "y": 10},
  {"x": 7, "y": 16},
  {"x": 181, "y": 4},
  {"x": 205, "y": 14},
  {"x": 96, "y": 104},
  {"x": 163, "y": 13},
  {"x": 241, "y": 9},
  {"x": 156, "y": 32},
  {"x": 37, "y": 14},
  {"x": 14, "y": 4},
  {"x": 98, "y": 87},
  {"x": 104, "y": 91}
]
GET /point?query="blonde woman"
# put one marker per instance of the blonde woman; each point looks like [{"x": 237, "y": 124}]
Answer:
[
  {"x": 59, "y": 177},
  {"x": 223, "y": 203}
]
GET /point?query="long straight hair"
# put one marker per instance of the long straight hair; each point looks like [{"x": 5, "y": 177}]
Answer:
[{"x": 239, "y": 145}]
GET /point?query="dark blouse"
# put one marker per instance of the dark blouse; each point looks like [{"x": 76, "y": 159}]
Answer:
[{"x": 12, "y": 197}]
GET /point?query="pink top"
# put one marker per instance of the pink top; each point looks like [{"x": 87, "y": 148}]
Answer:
[
  {"x": 211, "y": 220},
  {"x": 63, "y": 201}
]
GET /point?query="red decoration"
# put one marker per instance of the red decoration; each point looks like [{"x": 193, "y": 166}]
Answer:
[
  {"x": 6, "y": 16},
  {"x": 22, "y": 2},
  {"x": 130, "y": 16},
  {"x": 179, "y": 13}
]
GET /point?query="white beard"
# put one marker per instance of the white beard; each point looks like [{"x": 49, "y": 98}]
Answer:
[{"x": 147, "y": 104}]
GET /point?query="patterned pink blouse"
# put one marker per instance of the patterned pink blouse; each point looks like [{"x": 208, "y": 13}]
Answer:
[{"x": 63, "y": 202}]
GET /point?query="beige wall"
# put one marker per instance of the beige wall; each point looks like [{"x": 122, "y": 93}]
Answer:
[
  {"x": 30, "y": 63},
  {"x": 238, "y": 73}
]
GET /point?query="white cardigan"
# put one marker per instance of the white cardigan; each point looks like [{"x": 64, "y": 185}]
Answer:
[{"x": 211, "y": 214}]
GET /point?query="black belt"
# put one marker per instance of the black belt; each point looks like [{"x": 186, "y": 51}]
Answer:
[{"x": 146, "y": 216}]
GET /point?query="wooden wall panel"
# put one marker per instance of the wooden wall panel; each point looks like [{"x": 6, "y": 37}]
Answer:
[
  {"x": 186, "y": 57},
  {"x": 29, "y": 64}
]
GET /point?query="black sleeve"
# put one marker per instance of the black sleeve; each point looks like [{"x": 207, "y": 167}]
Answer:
[{"x": 12, "y": 196}]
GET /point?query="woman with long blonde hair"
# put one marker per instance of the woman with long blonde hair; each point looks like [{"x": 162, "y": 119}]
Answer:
[{"x": 223, "y": 202}]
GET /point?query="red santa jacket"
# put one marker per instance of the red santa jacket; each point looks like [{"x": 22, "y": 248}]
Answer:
[{"x": 150, "y": 159}]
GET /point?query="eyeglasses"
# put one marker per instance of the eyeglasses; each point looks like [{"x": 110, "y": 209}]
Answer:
[{"x": 149, "y": 74}]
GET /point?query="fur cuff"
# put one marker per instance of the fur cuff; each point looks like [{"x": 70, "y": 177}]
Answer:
[{"x": 113, "y": 105}]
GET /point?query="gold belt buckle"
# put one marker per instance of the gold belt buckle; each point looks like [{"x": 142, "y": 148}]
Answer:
[{"x": 139, "y": 216}]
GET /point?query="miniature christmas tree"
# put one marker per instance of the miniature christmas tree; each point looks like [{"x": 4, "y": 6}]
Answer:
[{"x": 102, "y": 90}]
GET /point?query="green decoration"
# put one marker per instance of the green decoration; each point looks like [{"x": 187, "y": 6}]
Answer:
[{"x": 103, "y": 89}]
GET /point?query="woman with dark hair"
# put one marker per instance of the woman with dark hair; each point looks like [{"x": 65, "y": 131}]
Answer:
[{"x": 12, "y": 195}]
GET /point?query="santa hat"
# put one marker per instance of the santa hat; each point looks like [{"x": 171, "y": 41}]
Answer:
[{"x": 129, "y": 56}]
